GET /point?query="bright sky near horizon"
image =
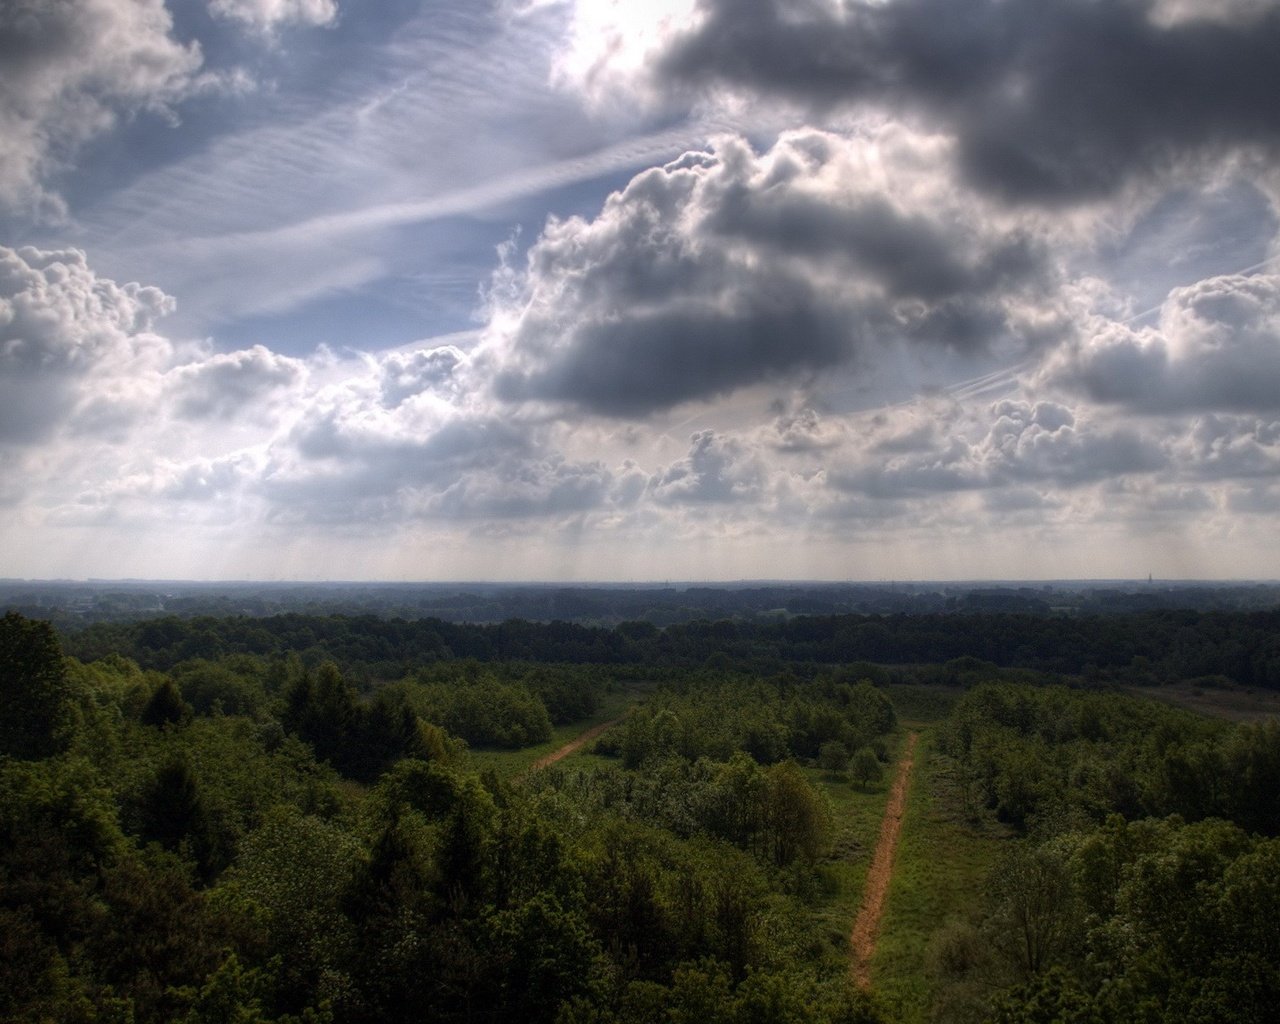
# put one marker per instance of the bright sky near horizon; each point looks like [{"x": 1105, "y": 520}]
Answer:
[{"x": 595, "y": 290}]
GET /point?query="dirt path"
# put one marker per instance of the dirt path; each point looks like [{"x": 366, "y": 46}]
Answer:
[
  {"x": 574, "y": 744},
  {"x": 865, "y": 928}
]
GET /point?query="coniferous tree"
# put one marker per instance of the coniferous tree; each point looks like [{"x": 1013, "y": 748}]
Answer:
[
  {"x": 166, "y": 706},
  {"x": 175, "y": 815}
]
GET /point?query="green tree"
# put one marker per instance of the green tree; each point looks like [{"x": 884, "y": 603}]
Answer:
[
  {"x": 1037, "y": 919},
  {"x": 166, "y": 706},
  {"x": 866, "y": 767},
  {"x": 294, "y": 870},
  {"x": 833, "y": 756},
  {"x": 796, "y": 820},
  {"x": 174, "y": 814},
  {"x": 322, "y": 711},
  {"x": 36, "y": 708}
]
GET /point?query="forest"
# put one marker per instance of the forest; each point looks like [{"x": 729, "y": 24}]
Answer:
[
  {"x": 326, "y": 818},
  {"x": 75, "y": 604}
]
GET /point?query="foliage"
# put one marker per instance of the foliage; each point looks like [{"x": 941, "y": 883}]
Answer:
[
  {"x": 264, "y": 821},
  {"x": 1116, "y": 908},
  {"x": 166, "y": 706},
  {"x": 956, "y": 649},
  {"x": 866, "y": 767},
  {"x": 35, "y": 695},
  {"x": 1053, "y": 754},
  {"x": 711, "y": 715}
]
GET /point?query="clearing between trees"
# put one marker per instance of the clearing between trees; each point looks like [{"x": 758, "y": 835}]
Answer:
[
  {"x": 862, "y": 942},
  {"x": 573, "y": 745}
]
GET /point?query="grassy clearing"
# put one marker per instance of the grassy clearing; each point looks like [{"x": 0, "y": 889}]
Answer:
[
  {"x": 919, "y": 706},
  {"x": 942, "y": 864},
  {"x": 1225, "y": 700},
  {"x": 856, "y": 818},
  {"x": 510, "y": 763}
]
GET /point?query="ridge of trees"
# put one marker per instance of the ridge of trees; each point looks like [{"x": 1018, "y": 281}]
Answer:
[{"x": 1141, "y": 647}]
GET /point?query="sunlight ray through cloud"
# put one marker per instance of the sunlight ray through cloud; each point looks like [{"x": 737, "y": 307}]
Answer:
[{"x": 724, "y": 288}]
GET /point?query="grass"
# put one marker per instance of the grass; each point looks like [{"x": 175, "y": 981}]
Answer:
[
  {"x": 1227, "y": 700},
  {"x": 856, "y": 817},
  {"x": 942, "y": 860},
  {"x": 920, "y": 706},
  {"x": 942, "y": 864},
  {"x": 510, "y": 763}
]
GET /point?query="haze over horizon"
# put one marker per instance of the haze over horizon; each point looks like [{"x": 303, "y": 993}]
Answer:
[{"x": 697, "y": 289}]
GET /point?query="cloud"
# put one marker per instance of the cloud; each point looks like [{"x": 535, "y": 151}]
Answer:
[
  {"x": 231, "y": 384},
  {"x": 72, "y": 68},
  {"x": 130, "y": 431},
  {"x": 804, "y": 431},
  {"x": 1217, "y": 347},
  {"x": 936, "y": 448},
  {"x": 1051, "y": 100},
  {"x": 342, "y": 469},
  {"x": 405, "y": 437},
  {"x": 439, "y": 371},
  {"x": 549, "y": 486},
  {"x": 717, "y": 469},
  {"x": 728, "y": 268},
  {"x": 1230, "y": 447},
  {"x": 265, "y": 15},
  {"x": 61, "y": 328}
]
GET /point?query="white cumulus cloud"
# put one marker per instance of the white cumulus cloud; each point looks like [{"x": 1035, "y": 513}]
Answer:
[
  {"x": 72, "y": 68},
  {"x": 265, "y": 15}
]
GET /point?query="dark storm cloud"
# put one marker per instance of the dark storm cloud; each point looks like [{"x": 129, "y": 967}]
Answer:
[
  {"x": 632, "y": 366},
  {"x": 697, "y": 279},
  {"x": 1051, "y": 100},
  {"x": 913, "y": 254}
]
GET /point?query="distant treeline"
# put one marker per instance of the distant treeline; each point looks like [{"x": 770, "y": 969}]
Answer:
[
  {"x": 80, "y": 604},
  {"x": 1151, "y": 646}
]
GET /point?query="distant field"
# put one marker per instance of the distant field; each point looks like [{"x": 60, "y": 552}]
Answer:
[
  {"x": 1232, "y": 702},
  {"x": 918, "y": 706}
]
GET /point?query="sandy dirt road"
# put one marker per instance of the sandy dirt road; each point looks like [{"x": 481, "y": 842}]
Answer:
[
  {"x": 574, "y": 744},
  {"x": 866, "y": 926}
]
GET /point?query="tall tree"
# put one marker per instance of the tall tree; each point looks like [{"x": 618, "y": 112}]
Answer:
[{"x": 36, "y": 712}]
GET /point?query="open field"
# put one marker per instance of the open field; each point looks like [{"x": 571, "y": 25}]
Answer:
[
  {"x": 866, "y": 926},
  {"x": 510, "y": 763},
  {"x": 856, "y": 817},
  {"x": 941, "y": 866},
  {"x": 918, "y": 706},
  {"x": 1229, "y": 701}
]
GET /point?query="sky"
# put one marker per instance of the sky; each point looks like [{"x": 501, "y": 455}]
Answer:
[{"x": 685, "y": 289}]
